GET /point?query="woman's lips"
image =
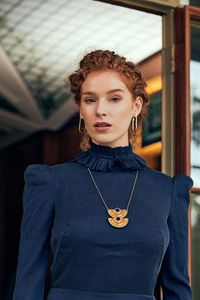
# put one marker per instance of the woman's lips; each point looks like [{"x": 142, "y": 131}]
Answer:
[
  {"x": 102, "y": 128},
  {"x": 102, "y": 124}
]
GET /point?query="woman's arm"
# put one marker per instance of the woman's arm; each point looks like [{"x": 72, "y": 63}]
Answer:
[
  {"x": 36, "y": 226},
  {"x": 174, "y": 270}
]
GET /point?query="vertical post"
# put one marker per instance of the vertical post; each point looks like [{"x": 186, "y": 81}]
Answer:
[
  {"x": 168, "y": 97},
  {"x": 182, "y": 63},
  {"x": 182, "y": 115}
]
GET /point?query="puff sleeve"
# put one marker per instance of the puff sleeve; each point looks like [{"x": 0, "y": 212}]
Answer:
[
  {"x": 174, "y": 270},
  {"x": 35, "y": 231}
]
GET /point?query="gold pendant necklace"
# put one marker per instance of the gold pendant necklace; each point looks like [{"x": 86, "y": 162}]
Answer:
[{"x": 117, "y": 214}]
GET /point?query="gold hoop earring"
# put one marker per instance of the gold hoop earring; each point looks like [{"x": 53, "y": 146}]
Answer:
[
  {"x": 134, "y": 126},
  {"x": 79, "y": 126}
]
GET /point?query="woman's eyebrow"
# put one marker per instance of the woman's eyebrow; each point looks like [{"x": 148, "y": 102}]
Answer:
[
  {"x": 116, "y": 90},
  {"x": 111, "y": 91},
  {"x": 88, "y": 93}
]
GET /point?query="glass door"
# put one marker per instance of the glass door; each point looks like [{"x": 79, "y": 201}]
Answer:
[
  {"x": 195, "y": 152},
  {"x": 188, "y": 123}
]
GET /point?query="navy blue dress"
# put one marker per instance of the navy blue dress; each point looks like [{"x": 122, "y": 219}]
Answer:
[{"x": 64, "y": 213}]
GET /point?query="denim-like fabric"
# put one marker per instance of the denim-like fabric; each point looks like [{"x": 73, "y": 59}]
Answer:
[
  {"x": 62, "y": 294},
  {"x": 91, "y": 259}
]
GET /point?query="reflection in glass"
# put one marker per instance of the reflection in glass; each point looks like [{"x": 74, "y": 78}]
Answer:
[
  {"x": 194, "y": 2},
  {"x": 195, "y": 221},
  {"x": 195, "y": 103},
  {"x": 151, "y": 133}
]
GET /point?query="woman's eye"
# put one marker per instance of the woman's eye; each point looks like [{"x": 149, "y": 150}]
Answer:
[
  {"x": 115, "y": 99},
  {"x": 89, "y": 100}
]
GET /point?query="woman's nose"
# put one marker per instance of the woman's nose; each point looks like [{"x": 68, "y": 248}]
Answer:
[{"x": 101, "y": 108}]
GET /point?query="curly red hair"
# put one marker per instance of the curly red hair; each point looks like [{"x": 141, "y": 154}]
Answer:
[{"x": 102, "y": 60}]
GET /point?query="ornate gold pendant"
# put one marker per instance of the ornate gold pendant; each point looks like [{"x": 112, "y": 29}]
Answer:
[{"x": 118, "y": 219}]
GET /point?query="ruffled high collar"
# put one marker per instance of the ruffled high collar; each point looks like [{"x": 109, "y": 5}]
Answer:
[{"x": 103, "y": 158}]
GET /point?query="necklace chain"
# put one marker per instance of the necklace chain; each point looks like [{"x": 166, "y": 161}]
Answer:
[{"x": 102, "y": 196}]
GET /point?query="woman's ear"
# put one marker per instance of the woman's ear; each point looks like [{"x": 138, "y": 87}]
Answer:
[{"x": 137, "y": 106}]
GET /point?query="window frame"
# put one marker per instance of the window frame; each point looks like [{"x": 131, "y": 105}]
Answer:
[{"x": 183, "y": 17}]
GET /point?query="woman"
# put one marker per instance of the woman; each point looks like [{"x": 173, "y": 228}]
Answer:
[{"x": 112, "y": 223}]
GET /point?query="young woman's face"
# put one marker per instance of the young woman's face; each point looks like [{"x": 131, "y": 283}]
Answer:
[{"x": 106, "y": 98}]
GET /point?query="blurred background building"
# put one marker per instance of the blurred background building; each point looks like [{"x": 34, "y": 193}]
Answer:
[{"x": 42, "y": 42}]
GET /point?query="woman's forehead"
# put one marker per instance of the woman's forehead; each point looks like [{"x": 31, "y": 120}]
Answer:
[{"x": 103, "y": 80}]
